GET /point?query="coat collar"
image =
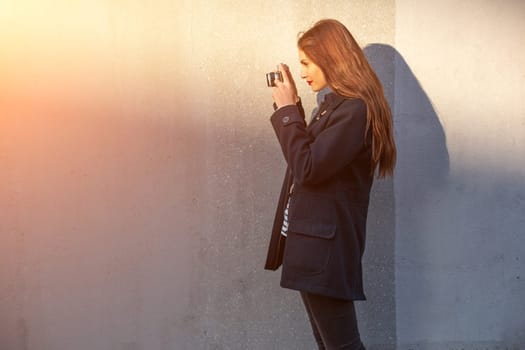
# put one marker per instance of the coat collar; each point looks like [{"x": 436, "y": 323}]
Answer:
[
  {"x": 326, "y": 100},
  {"x": 327, "y": 97},
  {"x": 330, "y": 101},
  {"x": 333, "y": 98},
  {"x": 321, "y": 94}
]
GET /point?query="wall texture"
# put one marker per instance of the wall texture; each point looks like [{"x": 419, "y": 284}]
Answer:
[
  {"x": 140, "y": 172},
  {"x": 460, "y": 183}
]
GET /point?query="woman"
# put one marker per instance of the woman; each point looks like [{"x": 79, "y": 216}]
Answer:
[{"x": 319, "y": 228}]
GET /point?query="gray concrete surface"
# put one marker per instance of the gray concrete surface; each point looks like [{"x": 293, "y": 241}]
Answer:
[
  {"x": 140, "y": 172},
  {"x": 460, "y": 182}
]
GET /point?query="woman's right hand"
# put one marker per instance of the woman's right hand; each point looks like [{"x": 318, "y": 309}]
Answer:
[{"x": 285, "y": 92}]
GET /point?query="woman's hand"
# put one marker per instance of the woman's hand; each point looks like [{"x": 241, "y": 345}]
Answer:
[{"x": 285, "y": 92}]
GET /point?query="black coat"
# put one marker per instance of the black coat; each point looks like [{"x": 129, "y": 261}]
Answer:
[{"x": 329, "y": 162}]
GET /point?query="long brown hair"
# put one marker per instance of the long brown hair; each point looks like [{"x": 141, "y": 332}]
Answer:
[{"x": 333, "y": 48}]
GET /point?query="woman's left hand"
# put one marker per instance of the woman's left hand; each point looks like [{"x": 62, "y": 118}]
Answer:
[{"x": 285, "y": 92}]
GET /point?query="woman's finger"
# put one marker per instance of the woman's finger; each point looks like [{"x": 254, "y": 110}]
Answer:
[
  {"x": 278, "y": 83},
  {"x": 285, "y": 72}
]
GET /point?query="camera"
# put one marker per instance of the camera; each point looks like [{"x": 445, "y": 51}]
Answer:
[{"x": 272, "y": 76}]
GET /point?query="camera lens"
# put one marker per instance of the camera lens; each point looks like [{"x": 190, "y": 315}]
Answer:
[{"x": 272, "y": 76}]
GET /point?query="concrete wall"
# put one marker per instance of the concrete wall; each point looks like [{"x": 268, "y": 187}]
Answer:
[
  {"x": 140, "y": 172},
  {"x": 460, "y": 182}
]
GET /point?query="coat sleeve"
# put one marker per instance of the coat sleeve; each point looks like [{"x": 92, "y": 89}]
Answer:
[{"x": 315, "y": 159}]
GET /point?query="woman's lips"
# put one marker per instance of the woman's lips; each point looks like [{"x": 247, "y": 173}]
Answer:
[{"x": 309, "y": 82}]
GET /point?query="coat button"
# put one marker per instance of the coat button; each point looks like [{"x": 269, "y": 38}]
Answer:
[{"x": 286, "y": 119}]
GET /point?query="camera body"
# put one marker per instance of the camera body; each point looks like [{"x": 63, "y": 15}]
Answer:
[{"x": 272, "y": 76}]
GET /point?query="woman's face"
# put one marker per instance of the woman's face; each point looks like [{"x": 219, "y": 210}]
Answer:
[{"x": 311, "y": 73}]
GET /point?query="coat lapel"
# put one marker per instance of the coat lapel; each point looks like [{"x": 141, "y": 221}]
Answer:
[{"x": 321, "y": 117}]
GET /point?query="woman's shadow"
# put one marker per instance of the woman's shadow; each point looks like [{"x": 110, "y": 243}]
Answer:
[{"x": 422, "y": 165}]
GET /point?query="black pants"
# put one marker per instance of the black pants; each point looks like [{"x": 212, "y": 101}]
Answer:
[{"x": 333, "y": 321}]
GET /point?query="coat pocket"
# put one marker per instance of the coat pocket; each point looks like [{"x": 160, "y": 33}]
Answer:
[{"x": 309, "y": 246}]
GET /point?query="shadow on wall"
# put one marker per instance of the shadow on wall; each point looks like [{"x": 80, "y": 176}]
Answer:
[
  {"x": 456, "y": 257},
  {"x": 423, "y": 163},
  {"x": 459, "y": 236}
]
